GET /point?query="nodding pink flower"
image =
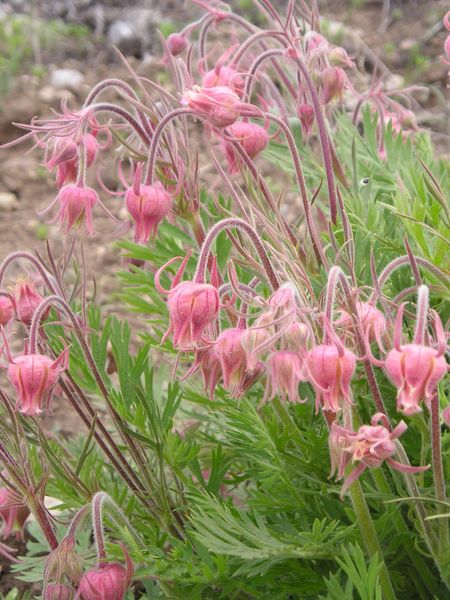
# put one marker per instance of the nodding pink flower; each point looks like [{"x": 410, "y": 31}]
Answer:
[
  {"x": 330, "y": 371},
  {"x": 333, "y": 83},
  {"x": 224, "y": 76},
  {"x": 147, "y": 205},
  {"x": 58, "y": 591},
  {"x": 176, "y": 43},
  {"x": 315, "y": 41},
  {"x": 193, "y": 307},
  {"x": 252, "y": 137},
  {"x": 371, "y": 445},
  {"x": 251, "y": 339},
  {"x": 66, "y": 154},
  {"x": 237, "y": 376},
  {"x": 285, "y": 372},
  {"x": 210, "y": 368},
  {"x": 220, "y": 104},
  {"x": 372, "y": 321},
  {"x": 108, "y": 581},
  {"x": 306, "y": 114},
  {"x": 6, "y": 310},
  {"x": 339, "y": 58},
  {"x": 35, "y": 376},
  {"x": 26, "y": 300},
  {"x": 415, "y": 370},
  {"x": 295, "y": 337},
  {"x": 75, "y": 207},
  {"x": 13, "y": 513}
]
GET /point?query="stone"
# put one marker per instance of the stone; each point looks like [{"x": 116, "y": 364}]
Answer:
[
  {"x": 8, "y": 201},
  {"x": 68, "y": 79}
]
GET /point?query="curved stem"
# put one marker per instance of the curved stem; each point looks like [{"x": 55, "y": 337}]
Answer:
[
  {"x": 255, "y": 66},
  {"x": 421, "y": 315},
  {"x": 97, "y": 526},
  {"x": 438, "y": 471},
  {"x": 274, "y": 34},
  {"x": 42, "y": 272},
  {"x": 224, "y": 225},
  {"x": 106, "y": 107}
]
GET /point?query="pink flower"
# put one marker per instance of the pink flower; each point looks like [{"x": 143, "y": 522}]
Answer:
[
  {"x": 333, "y": 83},
  {"x": 252, "y": 340},
  {"x": 237, "y": 376},
  {"x": 252, "y": 137},
  {"x": 106, "y": 582},
  {"x": 285, "y": 372},
  {"x": 330, "y": 371},
  {"x": 306, "y": 114},
  {"x": 58, "y": 591},
  {"x": 147, "y": 208},
  {"x": 13, "y": 513},
  {"x": 295, "y": 337},
  {"x": 35, "y": 376},
  {"x": 76, "y": 204},
  {"x": 193, "y": 307},
  {"x": 6, "y": 310},
  {"x": 25, "y": 299},
  {"x": 65, "y": 157},
  {"x": 446, "y": 415},
  {"x": 176, "y": 43},
  {"x": 371, "y": 445},
  {"x": 220, "y": 104},
  {"x": 209, "y": 365},
  {"x": 415, "y": 370},
  {"x": 372, "y": 321},
  {"x": 224, "y": 76}
]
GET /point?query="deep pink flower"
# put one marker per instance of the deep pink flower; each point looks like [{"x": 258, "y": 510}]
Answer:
[
  {"x": 285, "y": 372},
  {"x": 252, "y": 137},
  {"x": 330, "y": 371},
  {"x": 106, "y": 582},
  {"x": 13, "y": 513},
  {"x": 220, "y": 104},
  {"x": 415, "y": 370},
  {"x": 207, "y": 361},
  {"x": 224, "y": 76},
  {"x": 26, "y": 299},
  {"x": 306, "y": 114},
  {"x": 176, "y": 43},
  {"x": 147, "y": 208},
  {"x": 333, "y": 83},
  {"x": 192, "y": 308},
  {"x": 75, "y": 207},
  {"x": 35, "y": 376},
  {"x": 371, "y": 445},
  {"x": 65, "y": 157},
  {"x": 6, "y": 310}
]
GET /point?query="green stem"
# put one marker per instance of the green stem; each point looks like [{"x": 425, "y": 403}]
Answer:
[{"x": 370, "y": 537}]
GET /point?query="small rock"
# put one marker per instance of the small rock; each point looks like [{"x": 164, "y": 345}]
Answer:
[
  {"x": 68, "y": 79},
  {"x": 18, "y": 171},
  {"x": 394, "y": 82},
  {"x": 50, "y": 95},
  {"x": 8, "y": 201},
  {"x": 134, "y": 32}
]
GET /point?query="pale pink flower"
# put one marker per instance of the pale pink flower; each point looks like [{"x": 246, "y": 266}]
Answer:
[
  {"x": 147, "y": 208},
  {"x": 285, "y": 372},
  {"x": 220, "y": 105},
  {"x": 13, "y": 513}
]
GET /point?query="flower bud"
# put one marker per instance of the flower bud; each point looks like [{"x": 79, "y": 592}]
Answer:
[
  {"x": 237, "y": 376},
  {"x": 147, "y": 209},
  {"x": 6, "y": 310},
  {"x": 210, "y": 369},
  {"x": 192, "y": 308},
  {"x": 306, "y": 114},
  {"x": 220, "y": 104},
  {"x": 415, "y": 370},
  {"x": 295, "y": 337},
  {"x": 285, "y": 370},
  {"x": 13, "y": 513},
  {"x": 176, "y": 43},
  {"x": 76, "y": 204},
  {"x": 58, "y": 591},
  {"x": 224, "y": 76},
  {"x": 333, "y": 83},
  {"x": 252, "y": 137},
  {"x": 34, "y": 376},
  {"x": 106, "y": 582},
  {"x": 26, "y": 300},
  {"x": 330, "y": 374},
  {"x": 372, "y": 320}
]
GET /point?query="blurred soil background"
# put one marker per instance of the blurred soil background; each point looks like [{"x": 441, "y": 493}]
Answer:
[{"x": 56, "y": 50}]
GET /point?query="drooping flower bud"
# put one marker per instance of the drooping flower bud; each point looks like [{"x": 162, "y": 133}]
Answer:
[
  {"x": 176, "y": 43},
  {"x": 147, "y": 208},
  {"x": 35, "y": 376},
  {"x": 339, "y": 58},
  {"x": 6, "y": 310},
  {"x": 233, "y": 360},
  {"x": 64, "y": 562},
  {"x": 415, "y": 371},
  {"x": 224, "y": 76},
  {"x": 330, "y": 373},
  {"x": 192, "y": 308},
  {"x": 306, "y": 114},
  {"x": 108, "y": 581},
  {"x": 220, "y": 104},
  {"x": 333, "y": 83},
  {"x": 58, "y": 591},
  {"x": 372, "y": 321},
  {"x": 285, "y": 371},
  {"x": 252, "y": 137},
  {"x": 252, "y": 338},
  {"x": 25, "y": 299},
  {"x": 13, "y": 513},
  {"x": 75, "y": 207},
  {"x": 295, "y": 337},
  {"x": 210, "y": 368}
]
